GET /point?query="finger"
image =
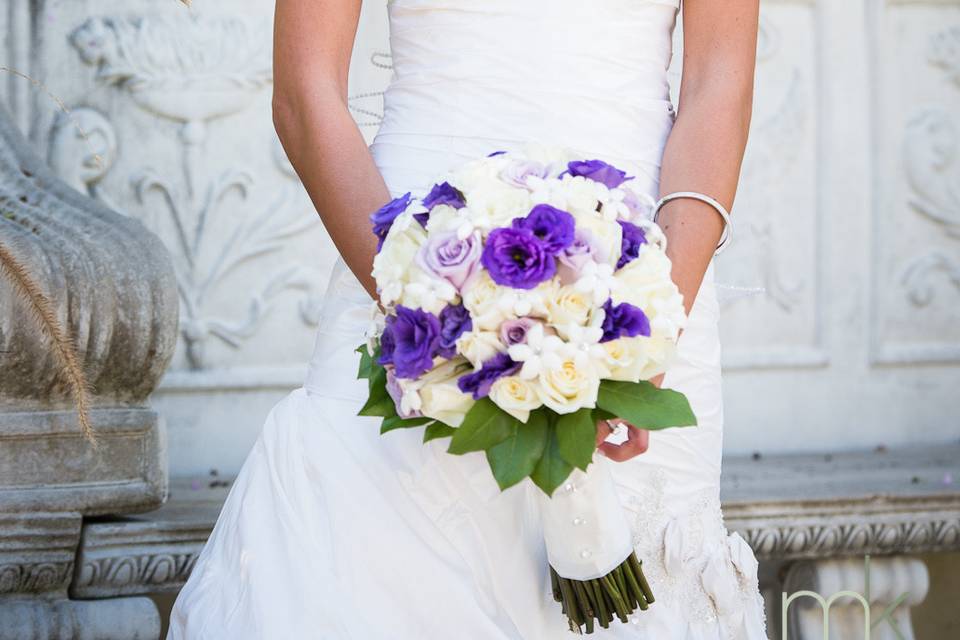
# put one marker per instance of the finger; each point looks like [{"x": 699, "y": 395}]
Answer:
[
  {"x": 639, "y": 439},
  {"x": 637, "y": 443},
  {"x": 603, "y": 431}
]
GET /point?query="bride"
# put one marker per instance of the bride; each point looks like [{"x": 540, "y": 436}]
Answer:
[{"x": 332, "y": 531}]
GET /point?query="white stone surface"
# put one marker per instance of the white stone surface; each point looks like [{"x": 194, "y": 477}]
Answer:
[{"x": 847, "y": 217}]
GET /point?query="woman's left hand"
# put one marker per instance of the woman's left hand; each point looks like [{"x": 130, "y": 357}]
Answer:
[{"x": 637, "y": 442}]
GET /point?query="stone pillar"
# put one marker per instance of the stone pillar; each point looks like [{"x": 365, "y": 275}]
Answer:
[{"x": 110, "y": 283}]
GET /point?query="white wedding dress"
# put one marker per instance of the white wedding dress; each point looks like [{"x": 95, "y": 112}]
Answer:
[{"x": 332, "y": 531}]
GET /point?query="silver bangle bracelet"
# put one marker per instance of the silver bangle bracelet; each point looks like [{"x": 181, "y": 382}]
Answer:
[{"x": 693, "y": 195}]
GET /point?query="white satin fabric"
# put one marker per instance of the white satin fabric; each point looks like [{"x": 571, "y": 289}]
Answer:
[{"x": 332, "y": 531}]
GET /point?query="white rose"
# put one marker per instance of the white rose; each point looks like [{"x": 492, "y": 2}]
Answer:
[
  {"x": 442, "y": 218},
  {"x": 639, "y": 358},
  {"x": 391, "y": 266},
  {"x": 568, "y": 305},
  {"x": 439, "y": 396},
  {"x": 479, "y": 346},
  {"x": 646, "y": 283},
  {"x": 445, "y": 402},
  {"x": 482, "y": 300},
  {"x": 516, "y": 396},
  {"x": 569, "y": 388}
]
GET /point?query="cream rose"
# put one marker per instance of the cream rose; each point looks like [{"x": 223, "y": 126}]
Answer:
[
  {"x": 568, "y": 388},
  {"x": 445, "y": 402},
  {"x": 516, "y": 396},
  {"x": 639, "y": 358},
  {"x": 606, "y": 235},
  {"x": 479, "y": 346},
  {"x": 391, "y": 267},
  {"x": 482, "y": 300},
  {"x": 568, "y": 305}
]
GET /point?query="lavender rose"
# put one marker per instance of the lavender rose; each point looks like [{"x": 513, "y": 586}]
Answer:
[
  {"x": 516, "y": 174},
  {"x": 583, "y": 249},
  {"x": 515, "y": 331},
  {"x": 623, "y": 321},
  {"x": 416, "y": 336},
  {"x": 478, "y": 383},
  {"x": 552, "y": 226},
  {"x": 446, "y": 256},
  {"x": 517, "y": 258},
  {"x": 382, "y": 219},
  {"x": 598, "y": 171},
  {"x": 633, "y": 239},
  {"x": 454, "y": 322}
]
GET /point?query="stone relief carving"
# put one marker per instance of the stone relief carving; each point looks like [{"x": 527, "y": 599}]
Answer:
[
  {"x": 944, "y": 52},
  {"x": 82, "y": 149},
  {"x": 193, "y": 70},
  {"x": 133, "y": 573}
]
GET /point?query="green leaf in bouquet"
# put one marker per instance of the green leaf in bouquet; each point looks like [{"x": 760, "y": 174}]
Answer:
[
  {"x": 396, "y": 422},
  {"x": 484, "y": 426},
  {"x": 437, "y": 430},
  {"x": 577, "y": 437},
  {"x": 379, "y": 403},
  {"x": 644, "y": 405},
  {"x": 516, "y": 457},
  {"x": 551, "y": 470},
  {"x": 367, "y": 362}
]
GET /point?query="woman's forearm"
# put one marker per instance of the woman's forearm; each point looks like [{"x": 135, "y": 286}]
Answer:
[
  {"x": 333, "y": 162},
  {"x": 312, "y": 45},
  {"x": 704, "y": 154},
  {"x": 705, "y": 149}
]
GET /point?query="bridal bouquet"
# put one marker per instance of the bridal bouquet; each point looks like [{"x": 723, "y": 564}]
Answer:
[{"x": 527, "y": 297}]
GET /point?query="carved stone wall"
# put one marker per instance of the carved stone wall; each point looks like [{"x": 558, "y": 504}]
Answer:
[{"x": 840, "y": 324}]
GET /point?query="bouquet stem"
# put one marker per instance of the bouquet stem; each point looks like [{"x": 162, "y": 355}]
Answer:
[{"x": 587, "y": 602}]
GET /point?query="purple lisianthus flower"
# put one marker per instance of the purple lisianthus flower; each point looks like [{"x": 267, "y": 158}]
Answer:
[
  {"x": 447, "y": 256},
  {"x": 515, "y": 331},
  {"x": 416, "y": 336},
  {"x": 633, "y": 239},
  {"x": 479, "y": 382},
  {"x": 623, "y": 321},
  {"x": 396, "y": 394},
  {"x": 454, "y": 322},
  {"x": 517, "y": 258},
  {"x": 444, "y": 193},
  {"x": 383, "y": 218},
  {"x": 516, "y": 173},
  {"x": 598, "y": 171},
  {"x": 553, "y": 227},
  {"x": 583, "y": 249},
  {"x": 387, "y": 343}
]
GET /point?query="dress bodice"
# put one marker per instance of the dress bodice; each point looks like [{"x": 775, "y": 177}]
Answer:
[{"x": 476, "y": 76}]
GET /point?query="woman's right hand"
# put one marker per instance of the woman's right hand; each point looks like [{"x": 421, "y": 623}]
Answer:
[{"x": 637, "y": 442}]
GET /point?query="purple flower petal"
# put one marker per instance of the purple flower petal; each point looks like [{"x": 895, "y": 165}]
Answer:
[
  {"x": 623, "y": 321},
  {"x": 517, "y": 258},
  {"x": 416, "y": 336},
  {"x": 633, "y": 239},
  {"x": 454, "y": 322},
  {"x": 382, "y": 219},
  {"x": 478, "y": 383},
  {"x": 552, "y": 226},
  {"x": 598, "y": 171}
]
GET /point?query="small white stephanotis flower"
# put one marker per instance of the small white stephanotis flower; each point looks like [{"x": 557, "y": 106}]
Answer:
[
  {"x": 598, "y": 280},
  {"x": 613, "y": 207},
  {"x": 375, "y": 327},
  {"x": 523, "y": 302},
  {"x": 427, "y": 292},
  {"x": 539, "y": 353},
  {"x": 583, "y": 345}
]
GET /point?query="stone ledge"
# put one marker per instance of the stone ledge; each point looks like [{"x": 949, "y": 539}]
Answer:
[{"x": 786, "y": 507}]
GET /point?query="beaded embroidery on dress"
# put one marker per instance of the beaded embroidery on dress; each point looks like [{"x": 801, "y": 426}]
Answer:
[{"x": 333, "y": 532}]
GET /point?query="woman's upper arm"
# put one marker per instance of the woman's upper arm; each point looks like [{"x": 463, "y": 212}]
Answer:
[
  {"x": 719, "y": 43},
  {"x": 313, "y": 41}
]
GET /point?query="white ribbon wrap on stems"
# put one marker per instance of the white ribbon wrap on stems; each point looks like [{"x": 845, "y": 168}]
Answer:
[{"x": 584, "y": 526}]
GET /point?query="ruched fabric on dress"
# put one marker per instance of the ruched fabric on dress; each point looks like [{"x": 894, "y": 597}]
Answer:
[{"x": 333, "y": 532}]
